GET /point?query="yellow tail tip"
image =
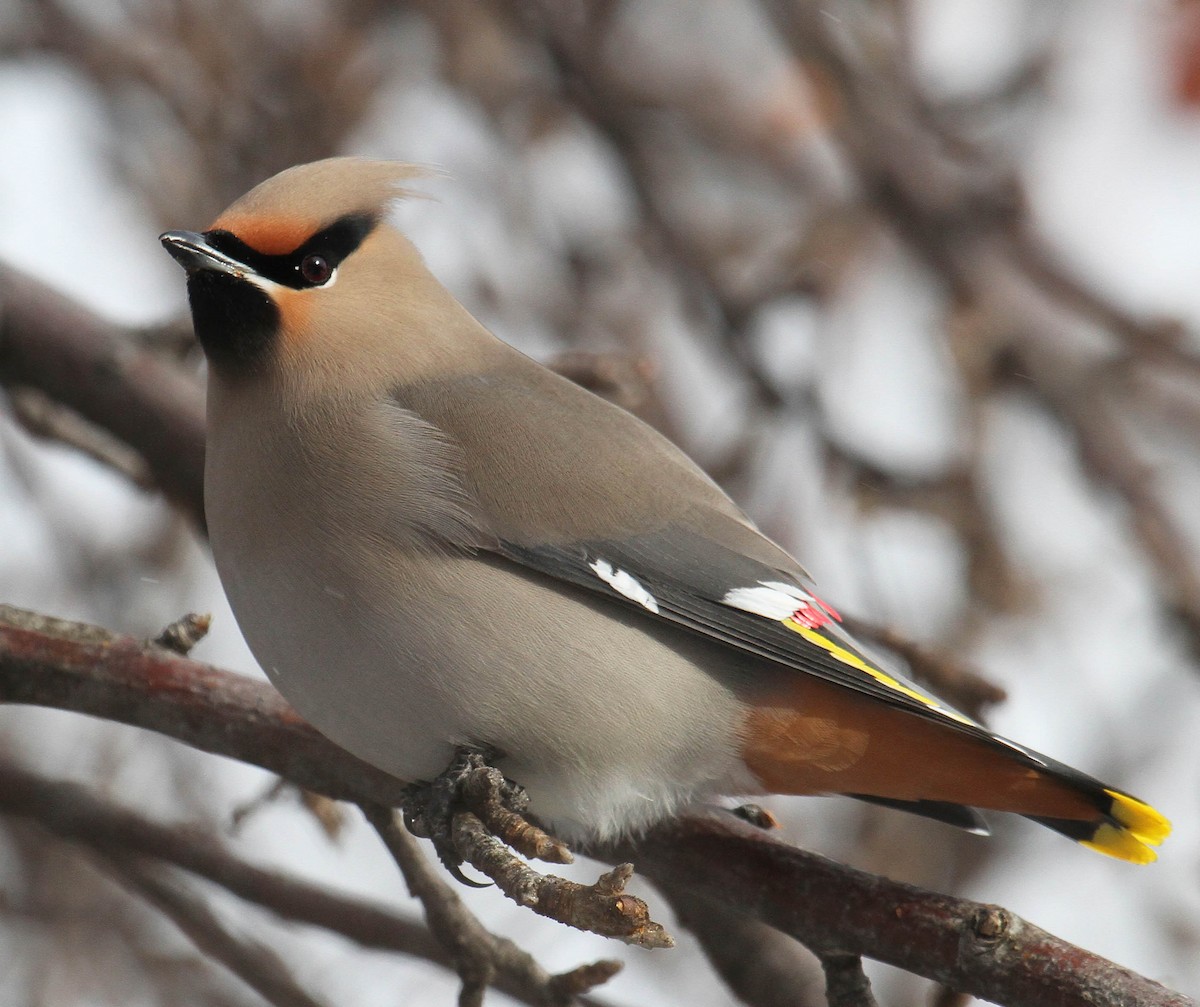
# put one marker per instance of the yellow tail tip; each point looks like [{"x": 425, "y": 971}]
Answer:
[
  {"x": 1115, "y": 842},
  {"x": 1140, "y": 820},
  {"x": 1138, "y": 828}
]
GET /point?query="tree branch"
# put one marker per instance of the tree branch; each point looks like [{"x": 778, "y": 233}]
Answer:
[
  {"x": 257, "y": 965},
  {"x": 72, "y": 813},
  {"x": 982, "y": 950},
  {"x": 50, "y": 343}
]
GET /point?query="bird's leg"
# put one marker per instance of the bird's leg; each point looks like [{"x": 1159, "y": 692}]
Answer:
[{"x": 470, "y": 784}]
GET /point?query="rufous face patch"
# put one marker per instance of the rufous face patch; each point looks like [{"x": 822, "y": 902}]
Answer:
[{"x": 268, "y": 235}]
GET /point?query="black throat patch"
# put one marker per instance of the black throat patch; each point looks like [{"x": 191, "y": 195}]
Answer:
[{"x": 235, "y": 321}]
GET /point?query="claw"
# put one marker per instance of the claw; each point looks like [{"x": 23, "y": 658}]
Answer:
[{"x": 455, "y": 871}]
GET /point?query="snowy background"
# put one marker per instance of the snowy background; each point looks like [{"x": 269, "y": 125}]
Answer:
[{"x": 801, "y": 350}]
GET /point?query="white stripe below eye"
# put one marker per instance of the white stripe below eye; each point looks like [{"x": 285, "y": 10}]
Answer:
[
  {"x": 624, "y": 583},
  {"x": 771, "y": 599},
  {"x": 268, "y": 286}
]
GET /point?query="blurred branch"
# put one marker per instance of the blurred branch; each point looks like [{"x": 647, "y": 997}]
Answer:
[
  {"x": 936, "y": 668},
  {"x": 969, "y": 222},
  {"x": 194, "y": 86},
  {"x": 257, "y": 965},
  {"x": 42, "y": 417},
  {"x": 573, "y": 37},
  {"x": 72, "y": 356},
  {"x": 762, "y": 966},
  {"x": 982, "y": 950},
  {"x": 72, "y": 813}
]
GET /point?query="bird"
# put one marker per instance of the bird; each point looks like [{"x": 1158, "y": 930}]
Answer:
[{"x": 432, "y": 543}]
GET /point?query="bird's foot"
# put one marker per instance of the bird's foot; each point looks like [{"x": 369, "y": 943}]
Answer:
[
  {"x": 470, "y": 784},
  {"x": 471, "y": 813}
]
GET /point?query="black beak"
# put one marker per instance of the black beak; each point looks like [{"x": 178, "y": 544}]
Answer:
[{"x": 194, "y": 253}]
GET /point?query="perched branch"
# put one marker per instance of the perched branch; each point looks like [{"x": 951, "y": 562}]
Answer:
[
  {"x": 979, "y": 949},
  {"x": 77, "y": 667},
  {"x": 982, "y": 950}
]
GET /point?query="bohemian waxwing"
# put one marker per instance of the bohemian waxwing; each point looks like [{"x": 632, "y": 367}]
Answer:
[{"x": 431, "y": 541}]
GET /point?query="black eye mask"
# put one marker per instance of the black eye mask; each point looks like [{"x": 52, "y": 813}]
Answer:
[{"x": 310, "y": 265}]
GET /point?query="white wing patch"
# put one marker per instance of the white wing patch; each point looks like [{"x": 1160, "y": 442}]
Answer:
[
  {"x": 624, "y": 583},
  {"x": 771, "y": 599},
  {"x": 776, "y": 599}
]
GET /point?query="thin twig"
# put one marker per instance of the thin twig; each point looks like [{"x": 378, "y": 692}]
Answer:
[{"x": 601, "y": 908}]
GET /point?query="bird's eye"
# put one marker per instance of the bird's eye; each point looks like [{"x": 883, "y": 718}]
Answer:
[{"x": 315, "y": 269}]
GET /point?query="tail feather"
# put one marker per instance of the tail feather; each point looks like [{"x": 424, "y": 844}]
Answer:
[
  {"x": 817, "y": 738},
  {"x": 1125, "y": 828},
  {"x": 958, "y": 815}
]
